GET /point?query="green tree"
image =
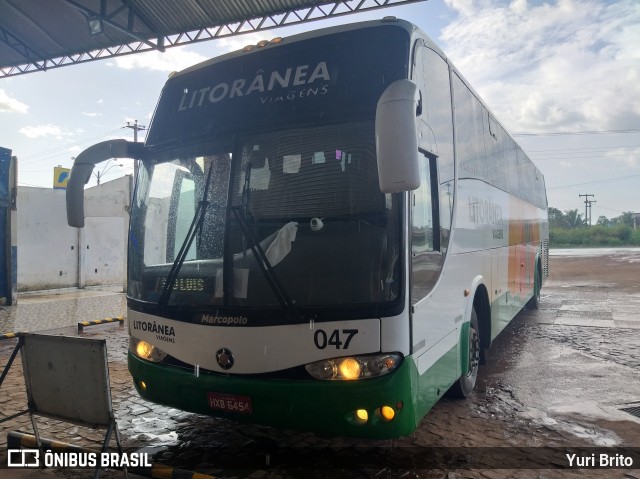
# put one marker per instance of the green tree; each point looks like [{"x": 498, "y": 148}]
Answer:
[
  {"x": 556, "y": 218},
  {"x": 567, "y": 230},
  {"x": 625, "y": 218},
  {"x": 573, "y": 219}
]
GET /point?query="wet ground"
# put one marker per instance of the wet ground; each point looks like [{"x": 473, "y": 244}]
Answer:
[{"x": 558, "y": 377}]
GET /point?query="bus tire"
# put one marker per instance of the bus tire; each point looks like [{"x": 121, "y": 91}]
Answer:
[
  {"x": 465, "y": 384},
  {"x": 534, "y": 302}
]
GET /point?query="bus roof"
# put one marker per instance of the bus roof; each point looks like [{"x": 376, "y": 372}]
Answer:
[{"x": 408, "y": 26}]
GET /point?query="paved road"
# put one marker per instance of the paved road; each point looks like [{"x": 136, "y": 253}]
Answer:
[
  {"x": 41, "y": 311},
  {"x": 557, "y": 377}
]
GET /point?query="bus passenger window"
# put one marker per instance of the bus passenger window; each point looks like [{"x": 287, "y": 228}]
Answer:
[{"x": 436, "y": 133}]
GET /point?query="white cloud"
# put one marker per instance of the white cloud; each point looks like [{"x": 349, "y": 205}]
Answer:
[
  {"x": 174, "y": 59},
  {"x": 562, "y": 65},
  {"x": 44, "y": 131},
  {"x": 11, "y": 105},
  {"x": 179, "y": 58},
  {"x": 91, "y": 114},
  {"x": 625, "y": 157},
  {"x": 464, "y": 7}
]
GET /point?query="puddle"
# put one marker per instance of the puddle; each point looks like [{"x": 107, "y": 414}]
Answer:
[
  {"x": 582, "y": 252},
  {"x": 597, "y": 436},
  {"x": 589, "y": 284},
  {"x": 575, "y": 426},
  {"x": 153, "y": 431}
]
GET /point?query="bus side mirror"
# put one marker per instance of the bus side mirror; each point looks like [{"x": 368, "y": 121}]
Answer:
[
  {"x": 83, "y": 167},
  {"x": 397, "y": 137}
]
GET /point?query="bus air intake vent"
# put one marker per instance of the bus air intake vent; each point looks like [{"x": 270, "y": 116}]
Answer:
[{"x": 545, "y": 258}]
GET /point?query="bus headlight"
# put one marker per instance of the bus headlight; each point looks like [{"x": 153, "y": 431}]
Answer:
[
  {"x": 147, "y": 351},
  {"x": 350, "y": 368},
  {"x": 354, "y": 367}
]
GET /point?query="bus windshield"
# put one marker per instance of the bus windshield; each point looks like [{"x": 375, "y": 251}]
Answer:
[{"x": 290, "y": 218}]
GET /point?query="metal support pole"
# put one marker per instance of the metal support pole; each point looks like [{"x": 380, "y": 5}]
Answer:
[{"x": 10, "y": 362}]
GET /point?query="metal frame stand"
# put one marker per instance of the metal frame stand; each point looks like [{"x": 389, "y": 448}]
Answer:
[{"x": 37, "y": 390}]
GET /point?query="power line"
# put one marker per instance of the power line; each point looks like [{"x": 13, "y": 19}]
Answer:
[
  {"x": 47, "y": 154},
  {"x": 610, "y": 209},
  {"x": 566, "y": 208},
  {"x": 594, "y": 182}
]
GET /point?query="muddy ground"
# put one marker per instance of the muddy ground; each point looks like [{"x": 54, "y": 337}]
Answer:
[{"x": 619, "y": 270}]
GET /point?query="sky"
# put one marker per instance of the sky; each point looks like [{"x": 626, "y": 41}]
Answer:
[{"x": 562, "y": 76}]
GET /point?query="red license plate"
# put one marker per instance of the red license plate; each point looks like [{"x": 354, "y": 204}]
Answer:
[{"x": 230, "y": 403}]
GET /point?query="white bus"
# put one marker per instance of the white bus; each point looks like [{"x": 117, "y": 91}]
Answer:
[{"x": 327, "y": 233}]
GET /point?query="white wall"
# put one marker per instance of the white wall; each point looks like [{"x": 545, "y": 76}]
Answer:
[
  {"x": 51, "y": 254},
  {"x": 47, "y": 247}
]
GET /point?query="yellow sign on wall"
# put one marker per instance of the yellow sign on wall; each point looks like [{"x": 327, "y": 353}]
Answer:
[{"x": 60, "y": 177}]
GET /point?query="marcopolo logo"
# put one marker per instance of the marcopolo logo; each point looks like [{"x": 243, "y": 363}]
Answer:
[
  {"x": 225, "y": 358},
  {"x": 224, "y": 320},
  {"x": 262, "y": 82}
]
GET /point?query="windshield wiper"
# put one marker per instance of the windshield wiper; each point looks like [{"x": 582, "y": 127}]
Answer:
[
  {"x": 196, "y": 225},
  {"x": 265, "y": 266},
  {"x": 242, "y": 217}
]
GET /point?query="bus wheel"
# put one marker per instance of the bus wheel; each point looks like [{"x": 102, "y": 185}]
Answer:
[
  {"x": 534, "y": 302},
  {"x": 463, "y": 387}
]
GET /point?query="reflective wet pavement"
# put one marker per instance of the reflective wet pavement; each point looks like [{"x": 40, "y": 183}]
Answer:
[
  {"x": 40, "y": 311},
  {"x": 556, "y": 377}
]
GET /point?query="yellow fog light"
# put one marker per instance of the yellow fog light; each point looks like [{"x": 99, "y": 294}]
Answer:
[
  {"x": 387, "y": 413},
  {"x": 350, "y": 368},
  {"x": 143, "y": 385},
  {"x": 362, "y": 416}
]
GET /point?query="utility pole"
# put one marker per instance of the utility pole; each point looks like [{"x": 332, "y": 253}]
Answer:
[
  {"x": 586, "y": 207},
  {"x": 135, "y": 127},
  {"x": 105, "y": 169},
  {"x": 590, "y": 217}
]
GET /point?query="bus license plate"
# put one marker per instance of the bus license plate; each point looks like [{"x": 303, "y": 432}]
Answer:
[{"x": 230, "y": 403}]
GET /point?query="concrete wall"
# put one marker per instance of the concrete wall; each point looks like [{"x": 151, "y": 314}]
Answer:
[{"x": 51, "y": 254}]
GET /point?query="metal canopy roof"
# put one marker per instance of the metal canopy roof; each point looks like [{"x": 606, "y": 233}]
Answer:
[{"x": 37, "y": 35}]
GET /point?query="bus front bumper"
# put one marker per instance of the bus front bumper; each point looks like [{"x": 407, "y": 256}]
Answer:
[{"x": 328, "y": 407}]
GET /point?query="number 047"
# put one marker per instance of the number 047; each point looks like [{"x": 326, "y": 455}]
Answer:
[{"x": 338, "y": 338}]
